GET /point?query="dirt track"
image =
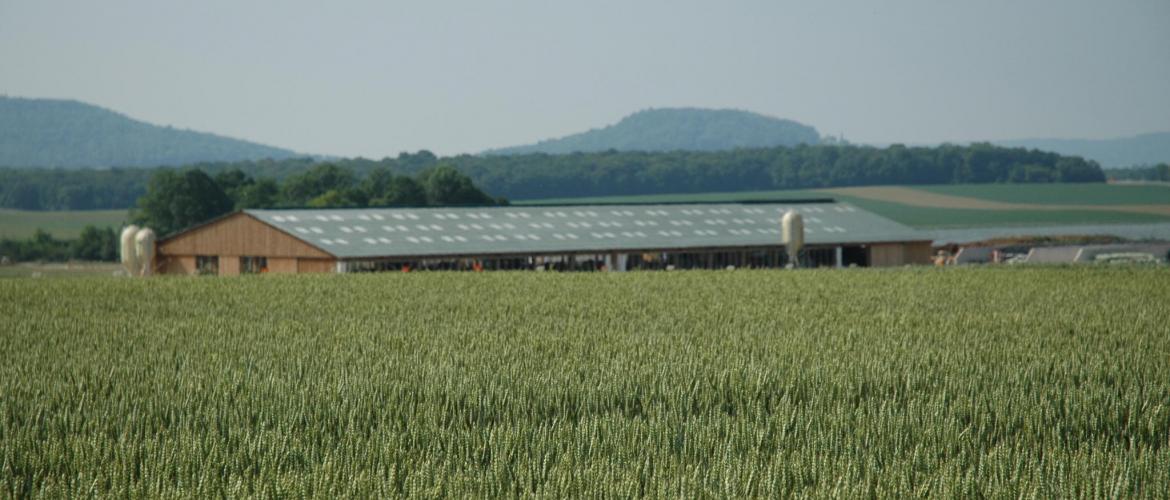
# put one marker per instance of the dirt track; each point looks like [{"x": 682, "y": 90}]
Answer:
[{"x": 919, "y": 198}]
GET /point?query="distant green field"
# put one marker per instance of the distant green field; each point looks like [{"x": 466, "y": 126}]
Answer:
[
  {"x": 62, "y": 224},
  {"x": 930, "y": 217},
  {"x": 790, "y": 194},
  {"x": 933, "y": 217},
  {"x": 1060, "y": 194}
]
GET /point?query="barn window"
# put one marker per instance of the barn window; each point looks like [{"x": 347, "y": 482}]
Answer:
[
  {"x": 206, "y": 264},
  {"x": 253, "y": 265}
]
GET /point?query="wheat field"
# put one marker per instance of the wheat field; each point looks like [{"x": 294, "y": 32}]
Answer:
[{"x": 1042, "y": 382}]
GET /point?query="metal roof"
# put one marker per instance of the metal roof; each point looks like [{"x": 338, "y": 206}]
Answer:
[{"x": 401, "y": 232}]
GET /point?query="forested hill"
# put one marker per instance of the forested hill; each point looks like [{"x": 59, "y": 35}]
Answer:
[
  {"x": 1144, "y": 149},
  {"x": 71, "y": 134},
  {"x": 680, "y": 129},
  {"x": 606, "y": 173}
]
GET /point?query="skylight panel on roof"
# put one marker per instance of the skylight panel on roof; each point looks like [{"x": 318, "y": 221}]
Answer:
[
  {"x": 436, "y": 227},
  {"x": 340, "y": 241},
  {"x": 345, "y": 229},
  {"x": 446, "y": 238},
  {"x": 370, "y": 241},
  {"x": 322, "y": 218},
  {"x": 326, "y": 241},
  {"x": 278, "y": 218},
  {"x": 485, "y": 215},
  {"x": 411, "y": 216},
  {"x": 460, "y": 239},
  {"x": 336, "y": 218},
  {"x": 360, "y": 229},
  {"x": 377, "y": 217},
  {"x": 571, "y": 236},
  {"x": 316, "y": 229},
  {"x": 398, "y": 216},
  {"x": 534, "y": 225},
  {"x": 558, "y": 236},
  {"x": 426, "y": 239},
  {"x": 412, "y": 239},
  {"x": 302, "y": 230},
  {"x": 476, "y": 227},
  {"x": 363, "y": 217},
  {"x": 384, "y": 239},
  {"x": 440, "y": 216},
  {"x": 422, "y": 227},
  {"x": 473, "y": 216}
]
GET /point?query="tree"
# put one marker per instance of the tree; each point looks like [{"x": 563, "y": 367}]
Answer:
[
  {"x": 175, "y": 200},
  {"x": 263, "y": 193},
  {"x": 443, "y": 185},
  {"x": 299, "y": 189},
  {"x": 96, "y": 244},
  {"x": 384, "y": 189}
]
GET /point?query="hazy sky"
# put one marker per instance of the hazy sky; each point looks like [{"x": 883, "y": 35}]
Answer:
[{"x": 378, "y": 77}]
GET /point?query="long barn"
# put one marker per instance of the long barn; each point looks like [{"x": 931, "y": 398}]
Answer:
[{"x": 569, "y": 237}]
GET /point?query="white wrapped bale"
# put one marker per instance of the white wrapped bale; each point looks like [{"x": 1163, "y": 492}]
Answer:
[
  {"x": 127, "y": 250},
  {"x": 792, "y": 229},
  {"x": 144, "y": 246}
]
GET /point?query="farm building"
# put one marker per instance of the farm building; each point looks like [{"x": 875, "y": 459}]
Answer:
[{"x": 570, "y": 237}]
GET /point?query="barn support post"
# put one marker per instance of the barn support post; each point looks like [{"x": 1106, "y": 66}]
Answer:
[{"x": 838, "y": 256}]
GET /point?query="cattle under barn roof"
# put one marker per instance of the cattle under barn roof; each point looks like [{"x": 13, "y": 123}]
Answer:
[{"x": 395, "y": 232}]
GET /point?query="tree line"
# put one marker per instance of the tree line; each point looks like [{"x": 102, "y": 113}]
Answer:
[
  {"x": 533, "y": 176},
  {"x": 1156, "y": 173},
  {"x": 177, "y": 199},
  {"x": 93, "y": 244}
]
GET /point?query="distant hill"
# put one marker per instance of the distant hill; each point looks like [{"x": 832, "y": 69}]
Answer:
[
  {"x": 679, "y": 129},
  {"x": 1144, "y": 149},
  {"x": 71, "y": 134}
]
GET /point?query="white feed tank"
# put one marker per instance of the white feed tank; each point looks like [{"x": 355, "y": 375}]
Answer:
[
  {"x": 127, "y": 251},
  {"x": 792, "y": 229},
  {"x": 144, "y": 247}
]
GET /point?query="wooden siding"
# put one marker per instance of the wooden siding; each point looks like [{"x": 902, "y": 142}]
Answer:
[
  {"x": 177, "y": 264},
  {"x": 229, "y": 265},
  {"x": 236, "y": 235},
  {"x": 898, "y": 254},
  {"x": 282, "y": 265},
  {"x": 315, "y": 265}
]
